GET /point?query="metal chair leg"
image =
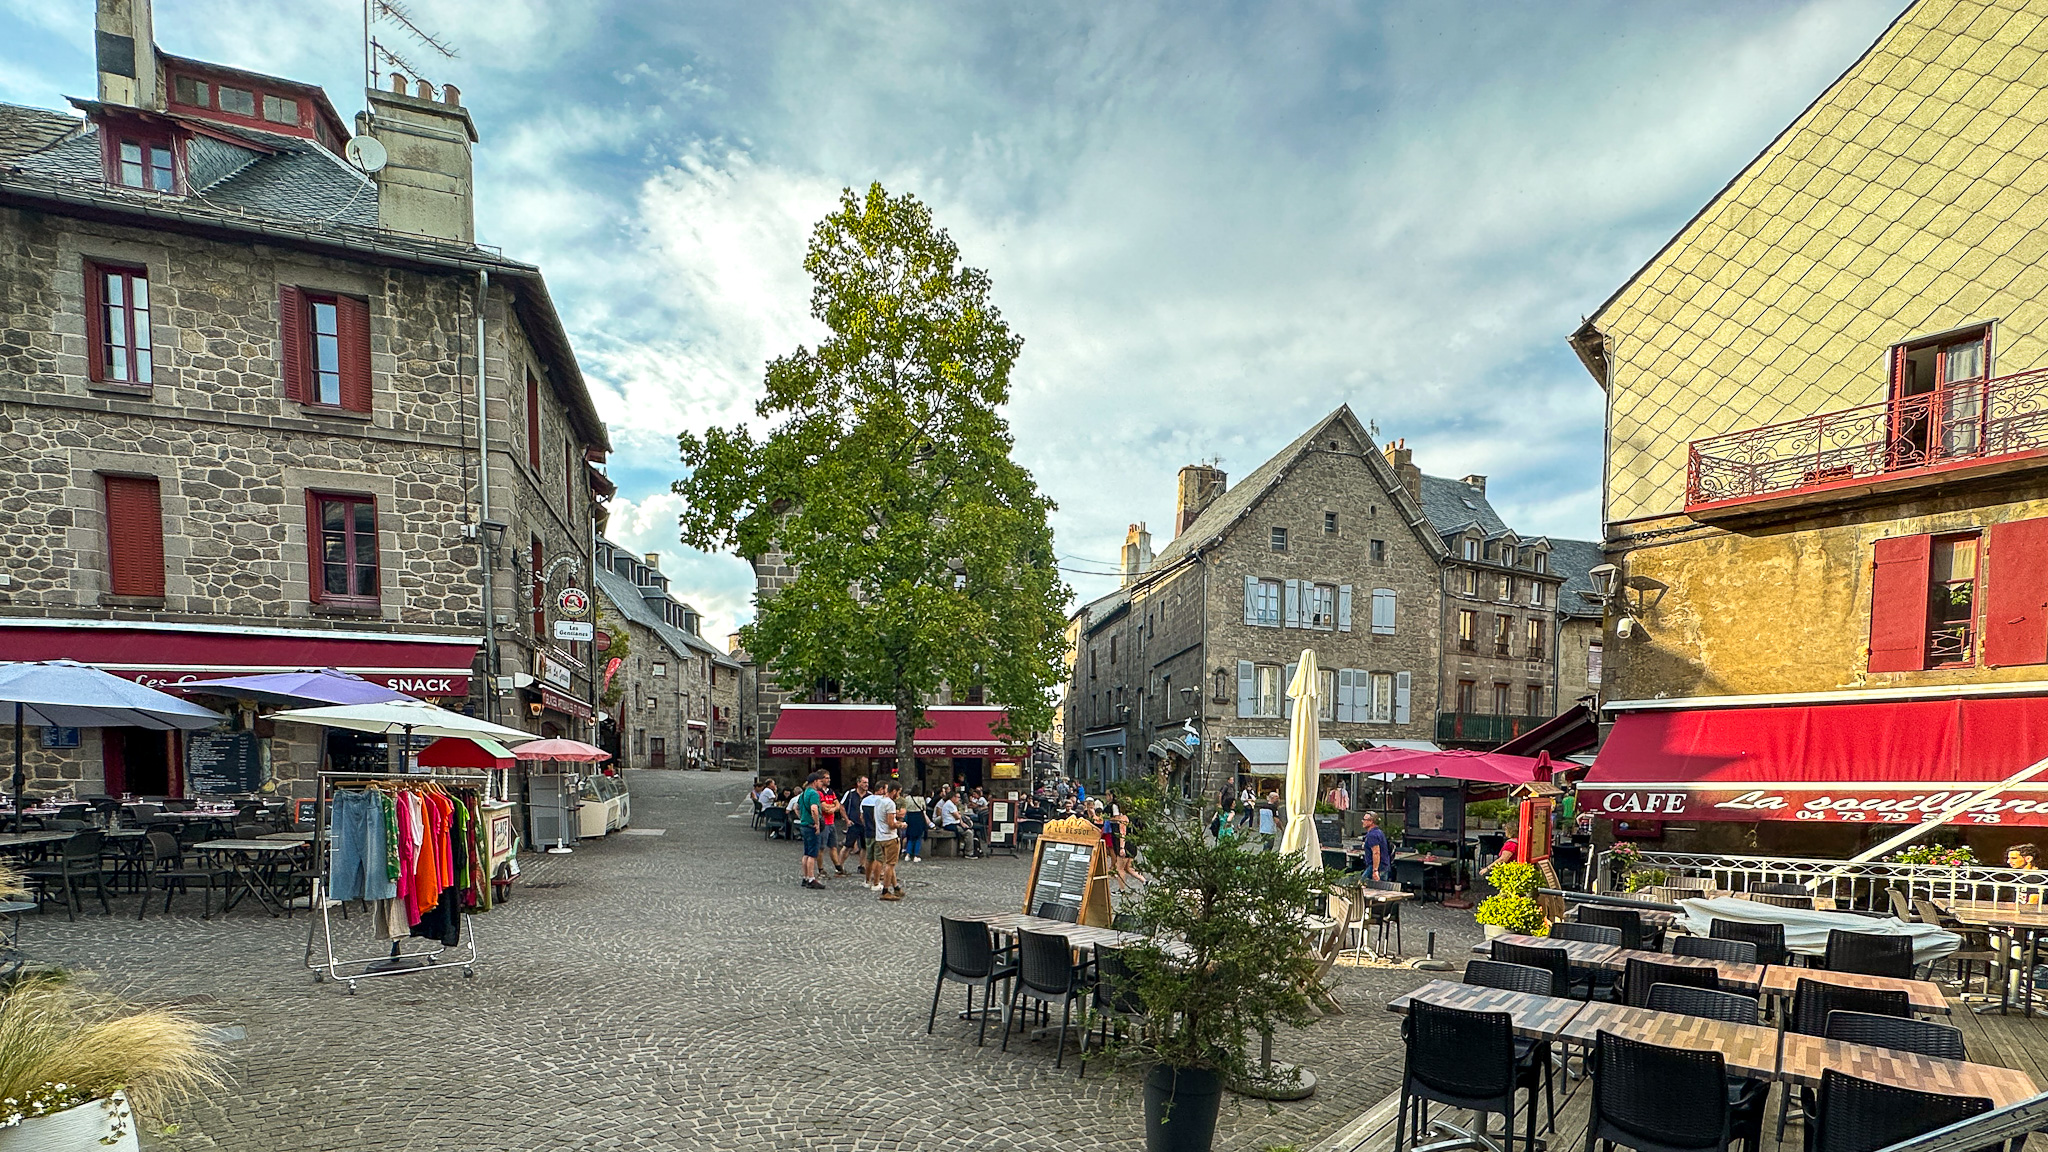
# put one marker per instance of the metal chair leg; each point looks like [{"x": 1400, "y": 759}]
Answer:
[{"x": 933, "y": 1023}]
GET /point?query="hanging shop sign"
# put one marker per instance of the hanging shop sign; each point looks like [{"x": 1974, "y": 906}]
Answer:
[
  {"x": 573, "y": 603},
  {"x": 551, "y": 668},
  {"x": 574, "y": 630},
  {"x": 567, "y": 705}
]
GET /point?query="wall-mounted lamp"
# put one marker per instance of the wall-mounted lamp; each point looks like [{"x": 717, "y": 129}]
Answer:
[
  {"x": 1605, "y": 578},
  {"x": 534, "y": 709},
  {"x": 494, "y": 532}
]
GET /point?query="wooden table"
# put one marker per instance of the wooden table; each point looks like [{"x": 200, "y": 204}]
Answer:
[
  {"x": 1535, "y": 1017},
  {"x": 1078, "y": 935},
  {"x": 1583, "y": 953},
  {"x": 1748, "y": 1049},
  {"x": 1586, "y": 954},
  {"x": 1806, "y": 1057},
  {"x": 2021, "y": 920},
  {"x": 1782, "y": 981}
]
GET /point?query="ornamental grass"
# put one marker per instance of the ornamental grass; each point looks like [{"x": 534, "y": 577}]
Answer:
[{"x": 58, "y": 1040}]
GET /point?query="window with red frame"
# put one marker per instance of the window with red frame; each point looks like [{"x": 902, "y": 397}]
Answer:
[
  {"x": 1960, "y": 599},
  {"x": 117, "y": 324},
  {"x": 135, "y": 536},
  {"x": 326, "y": 339},
  {"x": 532, "y": 422},
  {"x": 343, "y": 534},
  {"x": 140, "y": 160}
]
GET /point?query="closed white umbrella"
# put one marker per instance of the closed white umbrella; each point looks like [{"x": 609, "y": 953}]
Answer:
[
  {"x": 411, "y": 717},
  {"x": 1303, "y": 756},
  {"x": 67, "y": 694}
]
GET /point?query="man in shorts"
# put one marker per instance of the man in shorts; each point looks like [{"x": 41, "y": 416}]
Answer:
[
  {"x": 888, "y": 842},
  {"x": 810, "y": 820},
  {"x": 852, "y": 838}
]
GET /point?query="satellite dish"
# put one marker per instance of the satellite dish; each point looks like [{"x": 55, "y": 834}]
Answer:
[{"x": 366, "y": 153}]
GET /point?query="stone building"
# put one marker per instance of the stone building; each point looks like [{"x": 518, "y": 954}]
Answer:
[
  {"x": 1825, "y": 485},
  {"x": 681, "y": 697},
  {"x": 1581, "y": 639},
  {"x": 240, "y": 381},
  {"x": 1500, "y": 613},
  {"x": 1323, "y": 547}
]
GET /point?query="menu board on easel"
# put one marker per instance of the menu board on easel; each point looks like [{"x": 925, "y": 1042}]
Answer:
[{"x": 1070, "y": 871}]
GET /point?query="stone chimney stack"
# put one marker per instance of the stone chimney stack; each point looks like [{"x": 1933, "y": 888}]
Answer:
[
  {"x": 1137, "y": 552},
  {"x": 124, "y": 42},
  {"x": 425, "y": 188},
  {"x": 1403, "y": 462},
  {"x": 1476, "y": 483},
  {"x": 654, "y": 561},
  {"x": 1200, "y": 485}
]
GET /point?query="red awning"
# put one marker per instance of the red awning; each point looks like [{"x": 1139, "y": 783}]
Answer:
[
  {"x": 1893, "y": 762},
  {"x": 458, "y": 752},
  {"x": 161, "y": 654},
  {"x": 870, "y": 730}
]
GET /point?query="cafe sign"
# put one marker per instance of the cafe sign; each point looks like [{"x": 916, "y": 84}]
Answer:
[{"x": 2023, "y": 806}]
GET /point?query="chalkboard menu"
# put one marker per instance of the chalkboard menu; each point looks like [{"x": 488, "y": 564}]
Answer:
[
  {"x": 1062, "y": 875},
  {"x": 222, "y": 764},
  {"x": 1070, "y": 871}
]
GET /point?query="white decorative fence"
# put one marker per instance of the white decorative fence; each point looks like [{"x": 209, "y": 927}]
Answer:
[{"x": 1853, "y": 885}]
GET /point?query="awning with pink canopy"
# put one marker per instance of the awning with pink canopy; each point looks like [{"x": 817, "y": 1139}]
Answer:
[
  {"x": 1493, "y": 768},
  {"x": 574, "y": 751}
]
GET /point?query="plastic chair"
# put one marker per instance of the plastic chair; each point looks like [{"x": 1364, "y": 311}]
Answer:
[
  {"x": 1115, "y": 996},
  {"x": 1551, "y": 960},
  {"x": 1870, "y": 954},
  {"x": 79, "y": 861},
  {"x": 1978, "y": 947},
  {"x": 1508, "y": 977},
  {"x": 1813, "y": 1001},
  {"x": 1596, "y": 981},
  {"x": 1045, "y": 973},
  {"x": 1855, "y": 1115},
  {"x": 1905, "y": 1033},
  {"x": 1708, "y": 948},
  {"x": 1630, "y": 921},
  {"x": 165, "y": 868},
  {"x": 1747, "y": 1099},
  {"x": 967, "y": 956},
  {"x": 1641, "y": 974},
  {"x": 1464, "y": 1060},
  {"x": 1658, "y": 1099},
  {"x": 1768, "y": 938}
]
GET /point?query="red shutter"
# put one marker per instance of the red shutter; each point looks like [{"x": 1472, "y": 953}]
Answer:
[
  {"x": 532, "y": 422},
  {"x": 135, "y": 536},
  {"x": 1898, "y": 604},
  {"x": 313, "y": 581},
  {"x": 95, "y": 323},
  {"x": 352, "y": 329},
  {"x": 2016, "y": 593},
  {"x": 291, "y": 325}
]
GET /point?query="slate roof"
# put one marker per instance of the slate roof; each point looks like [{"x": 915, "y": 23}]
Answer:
[
  {"x": 1574, "y": 559},
  {"x": 25, "y": 130},
  {"x": 1453, "y": 506},
  {"x": 630, "y": 600}
]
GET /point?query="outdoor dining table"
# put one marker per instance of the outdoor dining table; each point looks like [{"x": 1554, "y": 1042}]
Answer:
[
  {"x": 21, "y": 841},
  {"x": 1078, "y": 935},
  {"x": 1585, "y": 954},
  {"x": 1804, "y": 1058},
  {"x": 1781, "y": 981},
  {"x": 1535, "y": 1017},
  {"x": 294, "y": 837},
  {"x": 251, "y": 860},
  {"x": 1750, "y": 1049},
  {"x": 2023, "y": 921}
]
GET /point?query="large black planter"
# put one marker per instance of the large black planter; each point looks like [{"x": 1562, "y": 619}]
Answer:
[{"x": 1180, "y": 1108}]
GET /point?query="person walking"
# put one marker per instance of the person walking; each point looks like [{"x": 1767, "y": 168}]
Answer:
[
  {"x": 888, "y": 843},
  {"x": 1269, "y": 826},
  {"x": 869, "y": 823},
  {"x": 834, "y": 828},
  {"x": 853, "y": 802},
  {"x": 810, "y": 819},
  {"x": 916, "y": 822},
  {"x": 1379, "y": 853}
]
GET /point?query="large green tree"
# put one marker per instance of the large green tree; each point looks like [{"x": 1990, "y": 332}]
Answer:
[{"x": 884, "y": 477}]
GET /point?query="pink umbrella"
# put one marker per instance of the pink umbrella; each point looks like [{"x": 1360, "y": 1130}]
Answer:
[
  {"x": 572, "y": 750},
  {"x": 1449, "y": 764}
]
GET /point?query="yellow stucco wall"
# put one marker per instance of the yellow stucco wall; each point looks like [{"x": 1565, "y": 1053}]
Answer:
[{"x": 1908, "y": 200}]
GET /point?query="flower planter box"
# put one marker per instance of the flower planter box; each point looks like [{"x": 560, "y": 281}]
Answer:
[{"x": 94, "y": 1126}]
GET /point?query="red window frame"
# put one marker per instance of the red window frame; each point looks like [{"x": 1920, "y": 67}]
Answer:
[
  {"x": 532, "y": 421},
  {"x": 343, "y": 544},
  {"x": 117, "y": 332},
  {"x": 135, "y": 535},
  {"x": 326, "y": 344},
  {"x": 1945, "y": 419},
  {"x": 157, "y": 164}
]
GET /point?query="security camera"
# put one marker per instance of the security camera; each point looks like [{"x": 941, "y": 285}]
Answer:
[{"x": 1626, "y": 627}]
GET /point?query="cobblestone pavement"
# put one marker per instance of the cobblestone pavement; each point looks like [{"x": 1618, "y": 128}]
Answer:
[{"x": 673, "y": 991}]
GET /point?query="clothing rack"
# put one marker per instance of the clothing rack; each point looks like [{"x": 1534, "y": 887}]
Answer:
[{"x": 396, "y": 962}]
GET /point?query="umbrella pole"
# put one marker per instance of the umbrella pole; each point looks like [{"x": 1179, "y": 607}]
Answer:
[{"x": 17, "y": 766}]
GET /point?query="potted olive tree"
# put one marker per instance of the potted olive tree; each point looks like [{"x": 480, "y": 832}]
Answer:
[
  {"x": 1229, "y": 956},
  {"x": 76, "y": 1068}
]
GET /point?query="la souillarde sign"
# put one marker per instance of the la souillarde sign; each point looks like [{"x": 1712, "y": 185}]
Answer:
[{"x": 1826, "y": 805}]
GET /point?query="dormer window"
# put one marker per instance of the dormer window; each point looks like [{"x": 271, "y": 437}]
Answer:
[{"x": 143, "y": 162}]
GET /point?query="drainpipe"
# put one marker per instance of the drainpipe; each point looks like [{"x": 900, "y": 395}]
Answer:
[{"x": 485, "y": 551}]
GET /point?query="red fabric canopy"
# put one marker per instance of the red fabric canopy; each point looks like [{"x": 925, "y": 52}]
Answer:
[
  {"x": 1891, "y": 762},
  {"x": 161, "y": 655},
  {"x": 1449, "y": 764},
  {"x": 870, "y": 730},
  {"x": 456, "y": 752}
]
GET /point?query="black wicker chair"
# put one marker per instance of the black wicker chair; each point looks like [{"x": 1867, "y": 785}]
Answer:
[
  {"x": 1068, "y": 913},
  {"x": 967, "y": 956},
  {"x": 1047, "y": 974},
  {"x": 775, "y": 823},
  {"x": 1658, "y": 1099},
  {"x": 1708, "y": 948},
  {"x": 1768, "y": 938},
  {"x": 1812, "y": 1003},
  {"x": 1870, "y": 954},
  {"x": 1634, "y": 935},
  {"x": 1595, "y": 981},
  {"x": 1855, "y": 1115},
  {"x": 1641, "y": 975},
  {"x": 1115, "y": 997},
  {"x": 79, "y": 862},
  {"x": 1941, "y": 1041},
  {"x": 1748, "y": 1100},
  {"x": 1509, "y": 977},
  {"x": 1781, "y": 889},
  {"x": 1464, "y": 1060},
  {"x": 1551, "y": 960},
  {"x": 165, "y": 868}
]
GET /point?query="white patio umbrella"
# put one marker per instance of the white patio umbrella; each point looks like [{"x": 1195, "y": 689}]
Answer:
[
  {"x": 1303, "y": 761},
  {"x": 411, "y": 717},
  {"x": 67, "y": 694}
]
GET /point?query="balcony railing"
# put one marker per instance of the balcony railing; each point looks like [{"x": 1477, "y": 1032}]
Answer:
[
  {"x": 1978, "y": 420},
  {"x": 1482, "y": 727}
]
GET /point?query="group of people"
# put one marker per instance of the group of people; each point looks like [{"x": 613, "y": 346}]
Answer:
[{"x": 875, "y": 828}]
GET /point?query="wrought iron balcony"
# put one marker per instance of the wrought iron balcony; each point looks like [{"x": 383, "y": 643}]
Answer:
[
  {"x": 1482, "y": 727},
  {"x": 1978, "y": 426}
]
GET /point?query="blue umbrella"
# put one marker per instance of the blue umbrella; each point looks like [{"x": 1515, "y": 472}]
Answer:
[{"x": 67, "y": 694}]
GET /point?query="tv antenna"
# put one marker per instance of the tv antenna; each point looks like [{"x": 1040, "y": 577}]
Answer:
[{"x": 390, "y": 16}]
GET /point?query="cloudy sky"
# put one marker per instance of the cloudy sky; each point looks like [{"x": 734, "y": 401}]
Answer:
[{"x": 1211, "y": 222}]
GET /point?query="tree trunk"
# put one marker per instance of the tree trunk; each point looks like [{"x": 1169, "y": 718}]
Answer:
[{"x": 906, "y": 746}]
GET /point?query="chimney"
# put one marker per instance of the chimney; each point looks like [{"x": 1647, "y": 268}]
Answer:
[
  {"x": 425, "y": 186},
  {"x": 1403, "y": 462},
  {"x": 1476, "y": 483},
  {"x": 124, "y": 42},
  {"x": 1137, "y": 552},
  {"x": 654, "y": 561},
  {"x": 1200, "y": 485}
]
